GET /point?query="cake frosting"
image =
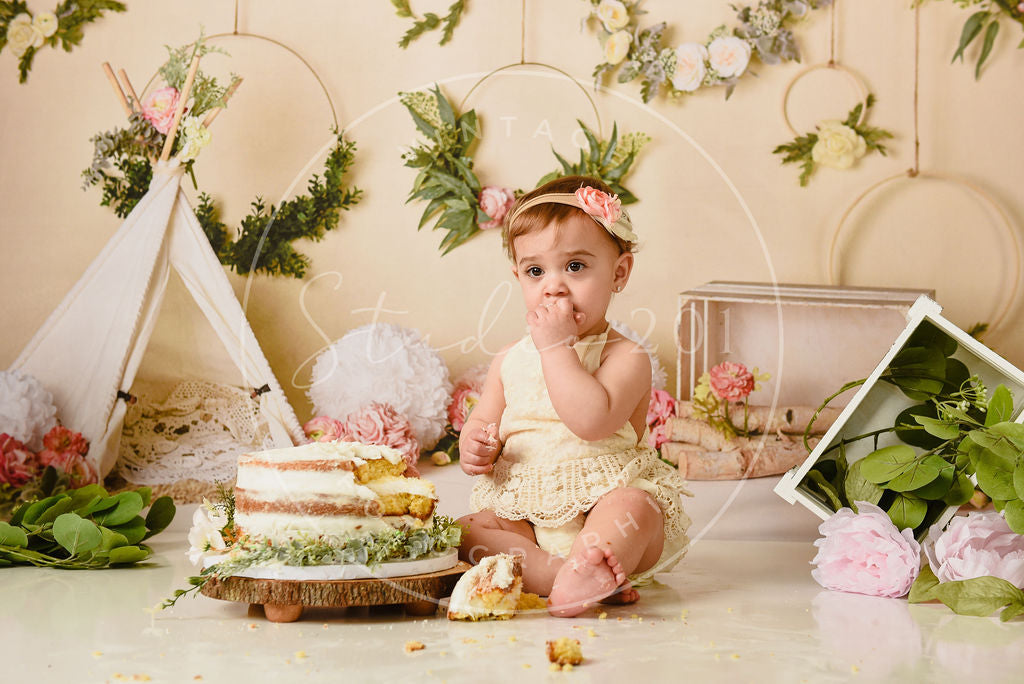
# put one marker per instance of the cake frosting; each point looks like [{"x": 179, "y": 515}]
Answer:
[
  {"x": 490, "y": 590},
  {"x": 333, "y": 490}
]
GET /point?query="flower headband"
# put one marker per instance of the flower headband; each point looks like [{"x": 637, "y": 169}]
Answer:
[{"x": 600, "y": 206}]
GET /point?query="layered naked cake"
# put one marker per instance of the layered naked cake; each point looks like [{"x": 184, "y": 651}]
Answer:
[{"x": 329, "y": 490}]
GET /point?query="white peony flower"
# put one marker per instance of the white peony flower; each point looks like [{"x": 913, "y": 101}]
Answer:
[
  {"x": 194, "y": 137},
  {"x": 729, "y": 56},
  {"x": 205, "y": 538},
  {"x": 384, "y": 362},
  {"x": 613, "y": 14},
  {"x": 26, "y": 408},
  {"x": 46, "y": 23},
  {"x": 659, "y": 378},
  {"x": 617, "y": 47},
  {"x": 838, "y": 145},
  {"x": 22, "y": 35},
  {"x": 691, "y": 67}
]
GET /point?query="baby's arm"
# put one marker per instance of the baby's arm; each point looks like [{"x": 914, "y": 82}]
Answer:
[
  {"x": 592, "y": 406},
  {"x": 478, "y": 441}
]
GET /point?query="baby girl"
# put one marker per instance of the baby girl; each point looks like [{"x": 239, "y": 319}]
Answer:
[{"x": 558, "y": 438}]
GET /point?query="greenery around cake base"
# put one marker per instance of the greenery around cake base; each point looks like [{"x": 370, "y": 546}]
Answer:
[{"x": 381, "y": 547}]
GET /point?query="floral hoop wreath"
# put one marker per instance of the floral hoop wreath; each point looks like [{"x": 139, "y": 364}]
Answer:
[{"x": 605, "y": 209}]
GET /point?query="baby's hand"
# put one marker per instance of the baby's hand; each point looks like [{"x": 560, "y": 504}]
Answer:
[
  {"x": 553, "y": 324},
  {"x": 479, "y": 450}
]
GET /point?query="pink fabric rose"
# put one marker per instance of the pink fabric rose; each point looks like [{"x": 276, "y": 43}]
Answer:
[
  {"x": 597, "y": 203},
  {"x": 495, "y": 202},
  {"x": 322, "y": 429},
  {"x": 731, "y": 381},
  {"x": 463, "y": 400},
  {"x": 661, "y": 408},
  {"x": 18, "y": 464},
  {"x": 864, "y": 553},
  {"x": 158, "y": 108},
  {"x": 379, "y": 423},
  {"x": 977, "y": 545},
  {"x": 658, "y": 435}
]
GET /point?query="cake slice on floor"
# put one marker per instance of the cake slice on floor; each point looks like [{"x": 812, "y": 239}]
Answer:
[{"x": 490, "y": 590}]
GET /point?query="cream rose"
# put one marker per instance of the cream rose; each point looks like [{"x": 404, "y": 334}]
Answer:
[
  {"x": 613, "y": 14},
  {"x": 22, "y": 35},
  {"x": 690, "y": 67},
  {"x": 617, "y": 47},
  {"x": 194, "y": 137},
  {"x": 46, "y": 23},
  {"x": 838, "y": 145},
  {"x": 729, "y": 56}
]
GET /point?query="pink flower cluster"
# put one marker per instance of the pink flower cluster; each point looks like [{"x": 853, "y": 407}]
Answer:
[
  {"x": 62, "y": 449},
  {"x": 731, "y": 381},
  {"x": 158, "y": 108},
  {"x": 496, "y": 203},
  {"x": 464, "y": 398},
  {"x": 600, "y": 204},
  {"x": 376, "y": 423},
  {"x": 661, "y": 408}
]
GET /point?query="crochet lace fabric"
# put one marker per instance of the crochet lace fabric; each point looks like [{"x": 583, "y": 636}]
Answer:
[
  {"x": 548, "y": 475},
  {"x": 196, "y": 433}
]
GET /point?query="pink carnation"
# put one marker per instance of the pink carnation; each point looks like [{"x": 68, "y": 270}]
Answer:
[
  {"x": 600, "y": 204},
  {"x": 864, "y": 553},
  {"x": 495, "y": 202},
  {"x": 322, "y": 429},
  {"x": 77, "y": 466},
  {"x": 18, "y": 464},
  {"x": 62, "y": 440},
  {"x": 379, "y": 423},
  {"x": 464, "y": 399},
  {"x": 158, "y": 108},
  {"x": 661, "y": 408},
  {"x": 978, "y": 545},
  {"x": 731, "y": 381}
]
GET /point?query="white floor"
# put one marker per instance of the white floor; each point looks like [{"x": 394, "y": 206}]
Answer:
[{"x": 740, "y": 607}]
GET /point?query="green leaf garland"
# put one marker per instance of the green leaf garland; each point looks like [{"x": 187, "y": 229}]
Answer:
[
  {"x": 25, "y": 35},
  {"x": 429, "y": 22}
]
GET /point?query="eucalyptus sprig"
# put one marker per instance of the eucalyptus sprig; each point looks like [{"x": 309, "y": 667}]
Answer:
[
  {"x": 608, "y": 161},
  {"x": 429, "y": 22},
  {"x": 985, "y": 21},
  {"x": 84, "y": 528}
]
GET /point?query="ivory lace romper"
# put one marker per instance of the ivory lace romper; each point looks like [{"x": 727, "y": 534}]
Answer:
[{"x": 552, "y": 478}]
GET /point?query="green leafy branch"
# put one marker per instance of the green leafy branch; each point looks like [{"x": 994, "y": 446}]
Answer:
[
  {"x": 985, "y": 23},
  {"x": 71, "y": 15},
  {"x": 429, "y": 22},
  {"x": 608, "y": 161},
  {"x": 801, "y": 149},
  {"x": 84, "y": 528},
  {"x": 979, "y": 596}
]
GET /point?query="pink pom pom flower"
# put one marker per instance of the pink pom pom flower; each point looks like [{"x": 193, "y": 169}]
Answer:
[
  {"x": 976, "y": 545},
  {"x": 158, "y": 108},
  {"x": 864, "y": 553},
  {"x": 731, "y": 381}
]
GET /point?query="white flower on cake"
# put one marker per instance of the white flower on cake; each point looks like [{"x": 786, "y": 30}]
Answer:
[
  {"x": 617, "y": 47},
  {"x": 205, "y": 538},
  {"x": 729, "y": 56},
  {"x": 613, "y": 15},
  {"x": 46, "y": 23},
  {"x": 838, "y": 145},
  {"x": 691, "y": 67}
]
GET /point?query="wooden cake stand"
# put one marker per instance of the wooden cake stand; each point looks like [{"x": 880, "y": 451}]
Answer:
[{"x": 283, "y": 600}]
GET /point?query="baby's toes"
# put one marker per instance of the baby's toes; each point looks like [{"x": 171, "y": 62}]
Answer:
[{"x": 615, "y": 566}]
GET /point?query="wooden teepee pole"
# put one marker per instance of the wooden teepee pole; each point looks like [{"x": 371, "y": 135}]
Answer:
[
  {"x": 180, "y": 109},
  {"x": 117, "y": 89},
  {"x": 212, "y": 114},
  {"x": 133, "y": 98}
]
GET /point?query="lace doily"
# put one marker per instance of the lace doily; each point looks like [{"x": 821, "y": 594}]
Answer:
[{"x": 196, "y": 433}]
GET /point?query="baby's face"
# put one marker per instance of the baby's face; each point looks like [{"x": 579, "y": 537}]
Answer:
[{"x": 577, "y": 261}]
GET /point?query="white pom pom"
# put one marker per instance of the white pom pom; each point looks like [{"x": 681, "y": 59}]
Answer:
[
  {"x": 26, "y": 408},
  {"x": 387, "y": 363},
  {"x": 659, "y": 378}
]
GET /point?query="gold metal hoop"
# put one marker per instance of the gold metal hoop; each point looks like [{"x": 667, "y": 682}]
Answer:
[
  {"x": 1009, "y": 299},
  {"x": 489, "y": 74},
  {"x": 858, "y": 82},
  {"x": 241, "y": 34}
]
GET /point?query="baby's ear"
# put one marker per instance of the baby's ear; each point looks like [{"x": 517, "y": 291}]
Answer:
[
  {"x": 623, "y": 267},
  {"x": 515, "y": 272}
]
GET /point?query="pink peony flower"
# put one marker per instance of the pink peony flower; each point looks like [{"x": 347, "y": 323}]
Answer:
[
  {"x": 731, "y": 381},
  {"x": 600, "y": 204},
  {"x": 977, "y": 545},
  {"x": 18, "y": 464},
  {"x": 661, "y": 408},
  {"x": 158, "y": 108},
  {"x": 76, "y": 465},
  {"x": 463, "y": 400},
  {"x": 322, "y": 429},
  {"x": 379, "y": 423},
  {"x": 864, "y": 553},
  {"x": 657, "y": 435},
  {"x": 495, "y": 202}
]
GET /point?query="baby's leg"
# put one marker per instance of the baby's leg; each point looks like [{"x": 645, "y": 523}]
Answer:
[
  {"x": 624, "y": 533},
  {"x": 486, "y": 534}
]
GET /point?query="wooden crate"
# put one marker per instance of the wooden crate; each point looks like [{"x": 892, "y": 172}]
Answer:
[
  {"x": 877, "y": 403},
  {"x": 811, "y": 338}
]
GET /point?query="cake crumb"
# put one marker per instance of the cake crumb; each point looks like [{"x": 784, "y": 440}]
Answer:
[
  {"x": 735, "y": 656},
  {"x": 567, "y": 667},
  {"x": 555, "y": 667},
  {"x": 253, "y": 626},
  {"x": 602, "y": 616},
  {"x": 634, "y": 616},
  {"x": 469, "y": 640},
  {"x": 512, "y": 639},
  {"x": 325, "y": 625},
  {"x": 97, "y": 654},
  {"x": 444, "y": 653},
  {"x": 854, "y": 669},
  {"x": 728, "y": 610},
  {"x": 528, "y": 601},
  {"x": 619, "y": 618},
  {"x": 564, "y": 650},
  {"x": 411, "y": 646},
  {"x": 682, "y": 615},
  {"x": 591, "y": 633},
  {"x": 527, "y": 666},
  {"x": 300, "y": 655},
  {"x": 490, "y": 636},
  {"x": 198, "y": 678}
]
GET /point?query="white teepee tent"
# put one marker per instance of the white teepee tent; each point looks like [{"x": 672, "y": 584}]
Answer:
[{"x": 88, "y": 352}]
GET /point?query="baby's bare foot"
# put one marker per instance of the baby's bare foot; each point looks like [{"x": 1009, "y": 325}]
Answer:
[
  {"x": 587, "y": 577},
  {"x": 624, "y": 593}
]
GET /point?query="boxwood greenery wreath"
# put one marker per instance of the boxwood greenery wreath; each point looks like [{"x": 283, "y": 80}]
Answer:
[{"x": 454, "y": 194}]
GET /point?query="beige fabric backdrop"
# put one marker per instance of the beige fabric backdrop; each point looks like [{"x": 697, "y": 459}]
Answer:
[{"x": 709, "y": 159}]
